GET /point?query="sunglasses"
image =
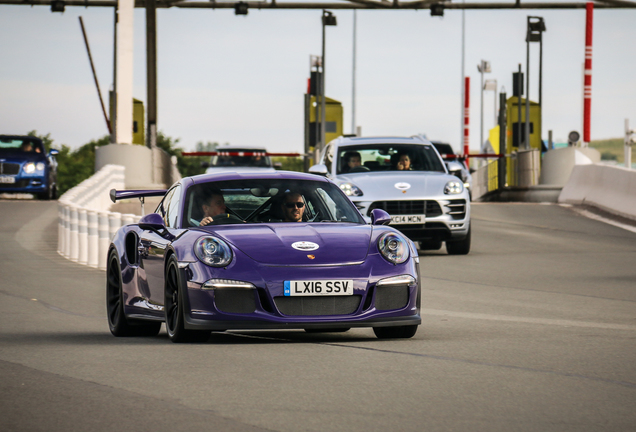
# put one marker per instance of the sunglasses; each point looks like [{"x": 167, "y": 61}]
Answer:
[{"x": 291, "y": 205}]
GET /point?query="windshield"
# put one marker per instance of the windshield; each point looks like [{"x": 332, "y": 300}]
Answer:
[
  {"x": 20, "y": 145},
  {"x": 241, "y": 158},
  {"x": 388, "y": 157},
  {"x": 268, "y": 200}
]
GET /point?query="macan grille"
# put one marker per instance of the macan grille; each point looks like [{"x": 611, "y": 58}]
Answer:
[
  {"x": 318, "y": 306},
  {"x": 9, "y": 168},
  {"x": 456, "y": 208},
  {"x": 430, "y": 208}
]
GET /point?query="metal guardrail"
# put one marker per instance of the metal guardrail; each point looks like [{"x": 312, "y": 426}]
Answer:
[{"x": 85, "y": 224}]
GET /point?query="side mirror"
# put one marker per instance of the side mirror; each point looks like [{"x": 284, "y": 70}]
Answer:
[
  {"x": 454, "y": 167},
  {"x": 278, "y": 166},
  {"x": 205, "y": 164},
  {"x": 152, "y": 222},
  {"x": 319, "y": 169},
  {"x": 53, "y": 152},
  {"x": 380, "y": 217}
]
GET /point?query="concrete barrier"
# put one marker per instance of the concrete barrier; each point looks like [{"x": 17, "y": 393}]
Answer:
[
  {"x": 84, "y": 230},
  {"x": 610, "y": 188}
]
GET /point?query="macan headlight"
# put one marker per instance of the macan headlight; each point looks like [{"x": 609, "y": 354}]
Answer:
[
  {"x": 393, "y": 247},
  {"x": 453, "y": 187},
  {"x": 350, "y": 189},
  {"x": 213, "y": 251}
]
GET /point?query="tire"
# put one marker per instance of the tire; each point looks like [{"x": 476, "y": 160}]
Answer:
[
  {"x": 117, "y": 322},
  {"x": 46, "y": 195},
  {"x": 174, "y": 308},
  {"x": 459, "y": 247},
  {"x": 399, "y": 332},
  {"x": 330, "y": 330},
  {"x": 425, "y": 245}
]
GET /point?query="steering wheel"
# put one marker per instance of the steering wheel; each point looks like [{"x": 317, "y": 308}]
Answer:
[
  {"x": 360, "y": 168},
  {"x": 226, "y": 218}
]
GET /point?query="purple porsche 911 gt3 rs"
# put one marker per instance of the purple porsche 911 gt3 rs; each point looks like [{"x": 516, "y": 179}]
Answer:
[{"x": 237, "y": 251}]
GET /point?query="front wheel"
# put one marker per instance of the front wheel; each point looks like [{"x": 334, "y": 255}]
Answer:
[
  {"x": 459, "y": 247},
  {"x": 174, "y": 308},
  {"x": 399, "y": 332}
]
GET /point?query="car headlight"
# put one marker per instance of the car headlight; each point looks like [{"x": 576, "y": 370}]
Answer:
[
  {"x": 453, "y": 187},
  {"x": 393, "y": 248},
  {"x": 29, "y": 168},
  {"x": 213, "y": 251},
  {"x": 350, "y": 189}
]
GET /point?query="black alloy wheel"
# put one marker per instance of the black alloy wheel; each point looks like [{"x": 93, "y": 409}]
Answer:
[
  {"x": 174, "y": 308},
  {"x": 399, "y": 332},
  {"x": 117, "y": 322}
]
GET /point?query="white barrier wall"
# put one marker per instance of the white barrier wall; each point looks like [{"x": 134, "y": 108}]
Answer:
[
  {"x": 85, "y": 224},
  {"x": 610, "y": 188}
]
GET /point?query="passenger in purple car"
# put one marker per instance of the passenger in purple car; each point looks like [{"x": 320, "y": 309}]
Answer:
[{"x": 293, "y": 207}]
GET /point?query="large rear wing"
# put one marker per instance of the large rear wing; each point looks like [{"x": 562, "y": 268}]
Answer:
[{"x": 116, "y": 195}]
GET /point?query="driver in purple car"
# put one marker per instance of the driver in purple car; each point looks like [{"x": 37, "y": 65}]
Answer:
[
  {"x": 293, "y": 207},
  {"x": 213, "y": 205}
]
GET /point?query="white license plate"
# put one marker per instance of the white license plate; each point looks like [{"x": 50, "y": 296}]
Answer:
[
  {"x": 7, "y": 179},
  {"x": 331, "y": 287},
  {"x": 407, "y": 219}
]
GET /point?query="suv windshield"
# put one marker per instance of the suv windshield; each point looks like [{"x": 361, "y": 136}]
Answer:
[
  {"x": 241, "y": 158},
  {"x": 263, "y": 201},
  {"x": 388, "y": 157}
]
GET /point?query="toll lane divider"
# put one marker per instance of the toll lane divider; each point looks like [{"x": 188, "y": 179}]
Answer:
[
  {"x": 85, "y": 223},
  {"x": 610, "y": 188}
]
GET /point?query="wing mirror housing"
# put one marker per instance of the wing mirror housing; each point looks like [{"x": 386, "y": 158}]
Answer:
[
  {"x": 152, "y": 222},
  {"x": 380, "y": 217},
  {"x": 319, "y": 169}
]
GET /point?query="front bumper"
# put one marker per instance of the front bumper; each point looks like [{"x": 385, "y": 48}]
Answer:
[
  {"x": 265, "y": 307},
  {"x": 23, "y": 184},
  {"x": 444, "y": 218}
]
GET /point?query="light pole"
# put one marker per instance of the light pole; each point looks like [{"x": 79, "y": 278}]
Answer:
[
  {"x": 353, "y": 83},
  {"x": 536, "y": 27},
  {"x": 328, "y": 19},
  {"x": 483, "y": 67},
  {"x": 491, "y": 85}
]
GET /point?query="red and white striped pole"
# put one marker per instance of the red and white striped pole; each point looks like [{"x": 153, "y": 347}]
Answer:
[
  {"x": 466, "y": 117},
  {"x": 587, "y": 84}
]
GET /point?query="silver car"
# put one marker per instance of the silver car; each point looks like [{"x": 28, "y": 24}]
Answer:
[{"x": 407, "y": 178}]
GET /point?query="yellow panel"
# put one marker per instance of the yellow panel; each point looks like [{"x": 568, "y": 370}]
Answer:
[{"x": 139, "y": 125}]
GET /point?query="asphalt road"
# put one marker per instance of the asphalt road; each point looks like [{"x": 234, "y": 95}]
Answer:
[{"x": 534, "y": 330}]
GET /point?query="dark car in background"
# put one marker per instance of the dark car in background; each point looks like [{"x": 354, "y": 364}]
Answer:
[{"x": 25, "y": 167}]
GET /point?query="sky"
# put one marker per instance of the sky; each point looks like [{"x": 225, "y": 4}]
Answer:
[{"x": 241, "y": 79}]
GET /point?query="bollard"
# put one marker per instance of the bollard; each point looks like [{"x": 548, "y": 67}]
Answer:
[
  {"x": 114, "y": 223},
  {"x": 127, "y": 219},
  {"x": 67, "y": 231},
  {"x": 93, "y": 239},
  {"x": 60, "y": 228},
  {"x": 82, "y": 236},
  {"x": 104, "y": 240},
  {"x": 74, "y": 254}
]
